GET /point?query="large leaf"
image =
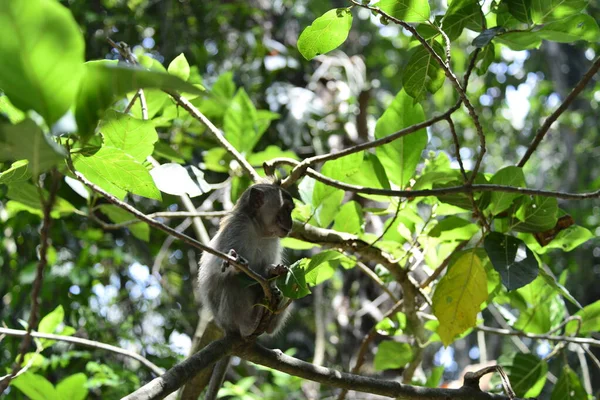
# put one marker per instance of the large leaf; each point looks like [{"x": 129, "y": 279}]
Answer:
[
  {"x": 42, "y": 53},
  {"x": 134, "y": 136},
  {"x": 103, "y": 81},
  {"x": 349, "y": 218},
  {"x": 462, "y": 14},
  {"x": 551, "y": 10},
  {"x": 526, "y": 373},
  {"x": 519, "y": 40},
  {"x": 117, "y": 173},
  {"x": 571, "y": 29},
  {"x": 459, "y": 295},
  {"x": 423, "y": 73},
  {"x": 243, "y": 124},
  {"x": 453, "y": 228},
  {"x": 35, "y": 387},
  {"x": 27, "y": 141},
  {"x": 325, "y": 33},
  {"x": 590, "y": 320},
  {"x": 73, "y": 387},
  {"x": 568, "y": 386},
  {"x": 543, "y": 309},
  {"x": 18, "y": 172},
  {"x": 400, "y": 157},
  {"x": 515, "y": 263},
  {"x": 392, "y": 355},
  {"x": 406, "y": 10},
  {"x": 520, "y": 9},
  {"x": 180, "y": 67},
  {"x": 509, "y": 176},
  {"x": 536, "y": 214}
]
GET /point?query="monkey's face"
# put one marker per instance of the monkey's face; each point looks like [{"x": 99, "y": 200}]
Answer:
[{"x": 272, "y": 209}]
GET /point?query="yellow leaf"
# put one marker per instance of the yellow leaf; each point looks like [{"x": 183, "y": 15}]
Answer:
[{"x": 459, "y": 295}]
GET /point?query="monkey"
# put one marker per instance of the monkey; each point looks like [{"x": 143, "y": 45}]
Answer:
[{"x": 251, "y": 233}]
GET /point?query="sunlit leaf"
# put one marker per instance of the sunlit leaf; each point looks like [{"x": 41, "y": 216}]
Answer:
[
  {"x": 406, "y": 10},
  {"x": 423, "y": 73},
  {"x": 35, "y": 387},
  {"x": 18, "y": 172},
  {"x": 391, "y": 355},
  {"x": 590, "y": 320},
  {"x": 509, "y": 176},
  {"x": 551, "y": 10},
  {"x": 325, "y": 33},
  {"x": 536, "y": 214},
  {"x": 180, "y": 67},
  {"x": 117, "y": 215},
  {"x": 135, "y": 137},
  {"x": 73, "y": 387},
  {"x": 462, "y": 14},
  {"x": 42, "y": 53},
  {"x": 571, "y": 29},
  {"x": 458, "y": 296}
]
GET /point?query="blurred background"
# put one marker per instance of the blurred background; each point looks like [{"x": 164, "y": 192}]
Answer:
[{"x": 139, "y": 295}]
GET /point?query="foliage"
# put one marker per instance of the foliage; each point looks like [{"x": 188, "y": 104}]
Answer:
[{"x": 404, "y": 205}]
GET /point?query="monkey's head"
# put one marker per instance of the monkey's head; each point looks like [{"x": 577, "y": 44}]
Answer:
[{"x": 270, "y": 207}]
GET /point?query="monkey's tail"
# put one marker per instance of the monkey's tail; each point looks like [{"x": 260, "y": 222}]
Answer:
[{"x": 217, "y": 377}]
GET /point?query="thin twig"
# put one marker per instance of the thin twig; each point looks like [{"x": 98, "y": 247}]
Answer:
[
  {"x": 88, "y": 343},
  {"x": 47, "y": 205},
  {"x": 389, "y": 225},
  {"x": 552, "y": 338},
  {"x": 264, "y": 283},
  {"x": 453, "y": 79},
  {"x": 554, "y": 116},
  {"x": 364, "y": 268}
]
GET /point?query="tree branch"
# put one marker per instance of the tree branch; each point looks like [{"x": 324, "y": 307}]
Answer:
[
  {"x": 88, "y": 343},
  {"x": 177, "y": 376},
  {"x": 293, "y": 366},
  {"x": 552, "y": 338},
  {"x": 554, "y": 116},
  {"x": 47, "y": 205}
]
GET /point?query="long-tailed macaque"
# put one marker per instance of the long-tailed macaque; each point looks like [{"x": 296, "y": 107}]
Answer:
[{"x": 251, "y": 233}]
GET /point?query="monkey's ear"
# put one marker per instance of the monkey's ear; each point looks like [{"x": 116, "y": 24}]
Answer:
[{"x": 257, "y": 198}]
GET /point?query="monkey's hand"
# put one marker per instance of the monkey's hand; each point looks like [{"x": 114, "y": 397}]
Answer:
[
  {"x": 277, "y": 270},
  {"x": 225, "y": 264}
]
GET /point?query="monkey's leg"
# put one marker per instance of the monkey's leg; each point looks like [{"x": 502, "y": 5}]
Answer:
[{"x": 217, "y": 378}]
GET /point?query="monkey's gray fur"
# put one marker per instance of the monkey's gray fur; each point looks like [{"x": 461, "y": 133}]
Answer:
[{"x": 259, "y": 219}]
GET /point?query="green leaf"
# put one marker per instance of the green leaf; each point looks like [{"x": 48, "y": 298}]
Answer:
[
  {"x": 406, "y": 10},
  {"x": 349, "y": 218},
  {"x": 325, "y": 33},
  {"x": 453, "y": 228},
  {"x": 180, "y": 67},
  {"x": 326, "y": 200},
  {"x": 370, "y": 173},
  {"x": 434, "y": 380},
  {"x": 544, "y": 307},
  {"x": 117, "y": 215},
  {"x": 423, "y": 73},
  {"x": 50, "y": 322},
  {"x": 392, "y": 355},
  {"x": 513, "y": 260},
  {"x": 526, "y": 373},
  {"x": 18, "y": 172},
  {"x": 536, "y": 214},
  {"x": 487, "y": 35},
  {"x": 257, "y": 159},
  {"x": 163, "y": 150},
  {"x": 509, "y": 176},
  {"x": 459, "y": 295},
  {"x": 34, "y": 386},
  {"x": 462, "y": 14},
  {"x": 566, "y": 240},
  {"x": 117, "y": 173},
  {"x": 217, "y": 159},
  {"x": 519, "y": 40},
  {"x": 42, "y": 53},
  {"x": 520, "y": 9},
  {"x": 551, "y": 281},
  {"x": 244, "y": 125},
  {"x": 590, "y": 320},
  {"x": 568, "y": 386},
  {"x": 11, "y": 112},
  {"x": 400, "y": 157},
  {"x": 293, "y": 284},
  {"x": 73, "y": 387},
  {"x": 28, "y": 197},
  {"x": 104, "y": 81},
  {"x": 134, "y": 136},
  {"x": 571, "y": 29},
  {"x": 551, "y": 10},
  {"x": 27, "y": 141},
  {"x": 485, "y": 58}
]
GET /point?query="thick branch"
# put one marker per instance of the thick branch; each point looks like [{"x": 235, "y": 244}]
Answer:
[
  {"x": 281, "y": 362},
  {"x": 88, "y": 343},
  {"x": 554, "y": 116},
  {"x": 177, "y": 376}
]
